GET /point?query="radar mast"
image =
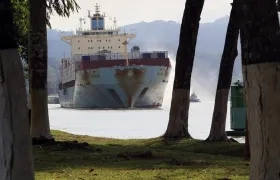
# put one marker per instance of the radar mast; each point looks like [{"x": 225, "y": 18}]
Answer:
[{"x": 97, "y": 11}]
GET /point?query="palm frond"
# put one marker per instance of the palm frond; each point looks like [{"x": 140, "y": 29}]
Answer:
[{"x": 61, "y": 7}]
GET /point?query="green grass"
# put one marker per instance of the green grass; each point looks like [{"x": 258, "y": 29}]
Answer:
[{"x": 195, "y": 160}]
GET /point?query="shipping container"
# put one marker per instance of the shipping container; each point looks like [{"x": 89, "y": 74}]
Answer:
[
  {"x": 120, "y": 56},
  {"x": 146, "y": 55},
  {"x": 114, "y": 56},
  {"x": 161, "y": 55},
  {"x": 93, "y": 57},
  {"x": 130, "y": 56},
  {"x": 154, "y": 55},
  {"x": 86, "y": 58},
  {"x": 101, "y": 57},
  {"x": 108, "y": 57}
]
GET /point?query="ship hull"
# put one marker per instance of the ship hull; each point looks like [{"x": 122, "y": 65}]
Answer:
[
  {"x": 136, "y": 86},
  {"x": 195, "y": 100}
]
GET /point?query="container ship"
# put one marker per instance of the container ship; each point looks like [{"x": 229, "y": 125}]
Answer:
[{"x": 100, "y": 72}]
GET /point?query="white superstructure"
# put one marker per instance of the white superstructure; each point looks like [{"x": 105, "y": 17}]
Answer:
[{"x": 97, "y": 39}]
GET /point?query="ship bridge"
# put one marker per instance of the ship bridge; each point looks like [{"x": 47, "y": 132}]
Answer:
[{"x": 97, "y": 38}]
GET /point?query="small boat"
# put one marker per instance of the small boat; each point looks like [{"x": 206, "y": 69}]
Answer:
[
  {"x": 53, "y": 99},
  {"x": 194, "y": 98}
]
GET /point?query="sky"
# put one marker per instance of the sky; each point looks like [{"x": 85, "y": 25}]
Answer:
[{"x": 133, "y": 11}]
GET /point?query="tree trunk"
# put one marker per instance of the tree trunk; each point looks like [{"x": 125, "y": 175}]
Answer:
[
  {"x": 15, "y": 148},
  {"x": 179, "y": 111},
  {"x": 178, "y": 117},
  {"x": 218, "y": 127},
  {"x": 38, "y": 61},
  {"x": 244, "y": 49},
  {"x": 261, "y": 44},
  {"x": 247, "y": 144}
]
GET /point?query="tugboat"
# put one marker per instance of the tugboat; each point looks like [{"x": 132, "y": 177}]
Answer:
[{"x": 194, "y": 98}]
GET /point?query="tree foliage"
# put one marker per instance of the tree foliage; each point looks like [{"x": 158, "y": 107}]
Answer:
[
  {"x": 278, "y": 5},
  {"x": 61, "y": 7},
  {"x": 21, "y": 14}
]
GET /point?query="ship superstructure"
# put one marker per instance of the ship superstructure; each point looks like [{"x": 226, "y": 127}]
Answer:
[
  {"x": 194, "y": 98},
  {"x": 101, "y": 73}
]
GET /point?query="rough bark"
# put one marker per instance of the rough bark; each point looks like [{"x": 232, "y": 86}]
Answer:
[
  {"x": 178, "y": 117},
  {"x": 247, "y": 145},
  {"x": 218, "y": 127},
  {"x": 244, "y": 58},
  {"x": 261, "y": 44},
  {"x": 38, "y": 63},
  {"x": 15, "y": 145}
]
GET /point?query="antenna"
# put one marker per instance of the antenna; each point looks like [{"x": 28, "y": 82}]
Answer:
[
  {"x": 89, "y": 13},
  {"x": 125, "y": 43},
  {"x": 81, "y": 23},
  {"x": 97, "y": 8},
  {"x": 115, "y": 23}
]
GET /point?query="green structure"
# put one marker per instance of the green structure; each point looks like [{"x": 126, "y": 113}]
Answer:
[{"x": 238, "y": 107}]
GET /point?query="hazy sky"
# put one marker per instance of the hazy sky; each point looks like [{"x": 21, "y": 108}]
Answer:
[{"x": 133, "y": 11}]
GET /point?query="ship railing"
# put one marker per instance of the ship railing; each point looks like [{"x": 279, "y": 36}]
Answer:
[
  {"x": 116, "y": 56},
  {"x": 88, "y": 30},
  {"x": 98, "y": 32}
]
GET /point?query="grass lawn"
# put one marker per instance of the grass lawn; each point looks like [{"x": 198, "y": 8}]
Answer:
[{"x": 107, "y": 159}]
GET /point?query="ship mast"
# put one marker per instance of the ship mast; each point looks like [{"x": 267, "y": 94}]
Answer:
[
  {"x": 115, "y": 23},
  {"x": 125, "y": 43},
  {"x": 81, "y": 23},
  {"x": 97, "y": 11},
  {"x": 97, "y": 20}
]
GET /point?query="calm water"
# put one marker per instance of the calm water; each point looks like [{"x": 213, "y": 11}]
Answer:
[{"x": 126, "y": 124}]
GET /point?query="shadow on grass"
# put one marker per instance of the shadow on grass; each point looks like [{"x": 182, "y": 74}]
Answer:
[
  {"x": 149, "y": 154},
  {"x": 105, "y": 158}
]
